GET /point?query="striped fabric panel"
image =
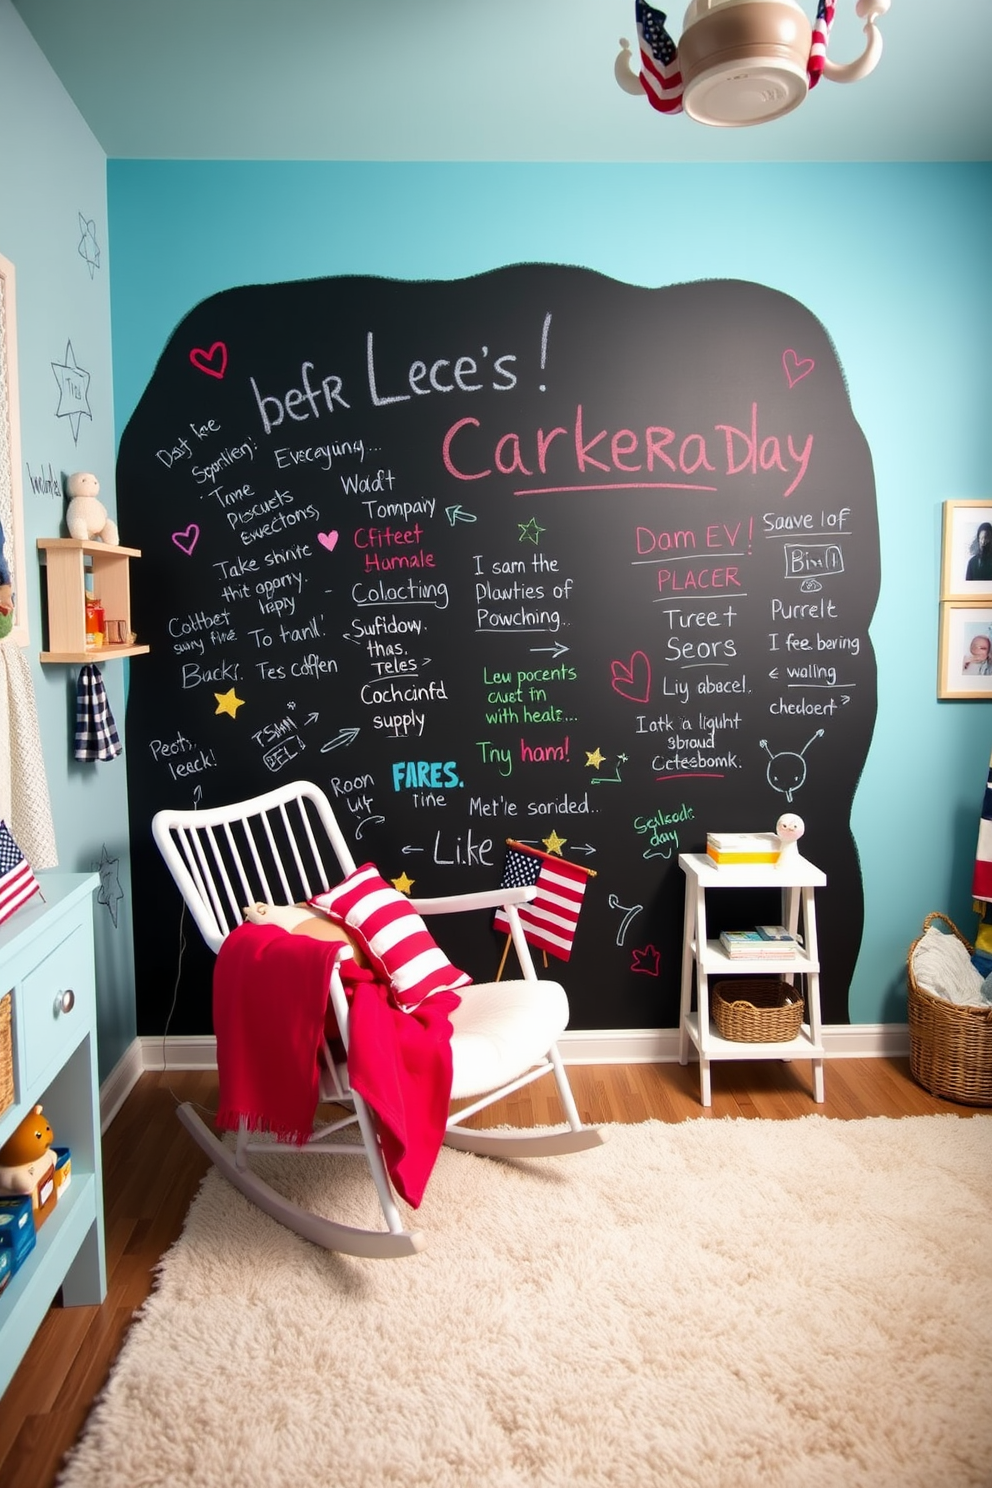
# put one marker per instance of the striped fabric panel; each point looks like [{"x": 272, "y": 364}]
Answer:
[{"x": 392, "y": 935}]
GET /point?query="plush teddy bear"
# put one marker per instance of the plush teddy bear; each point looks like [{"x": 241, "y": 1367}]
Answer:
[
  {"x": 27, "y": 1156},
  {"x": 86, "y": 516}
]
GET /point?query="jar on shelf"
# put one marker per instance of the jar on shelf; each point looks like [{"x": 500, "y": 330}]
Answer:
[{"x": 95, "y": 625}]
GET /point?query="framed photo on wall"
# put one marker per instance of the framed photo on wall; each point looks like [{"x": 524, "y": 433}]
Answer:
[
  {"x": 966, "y": 550},
  {"x": 964, "y": 669},
  {"x": 13, "y": 606}
]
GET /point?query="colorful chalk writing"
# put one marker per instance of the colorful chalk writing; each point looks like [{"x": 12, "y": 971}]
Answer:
[{"x": 531, "y": 555}]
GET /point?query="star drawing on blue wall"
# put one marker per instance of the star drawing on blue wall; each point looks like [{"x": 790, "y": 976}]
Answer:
[
  {"x": 74, "y": 386},
  {"x": 110, "y": 892},
  {"x": 89, "y": 248}
]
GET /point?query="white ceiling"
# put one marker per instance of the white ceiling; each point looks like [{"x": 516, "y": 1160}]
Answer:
[{"x": 481, "y": 80}]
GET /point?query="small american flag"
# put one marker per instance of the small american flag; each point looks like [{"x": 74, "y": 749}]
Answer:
[
  {"x": 17, "y": 882},
  {"x": 981, "y": 886},
  {"x": 549, "y": 921},
  {"x": 661, "y": 78},
  {"x": 821, "y": 31}
]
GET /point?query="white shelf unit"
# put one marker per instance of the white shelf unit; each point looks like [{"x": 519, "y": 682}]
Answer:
[{"x": 797, "y": 879}]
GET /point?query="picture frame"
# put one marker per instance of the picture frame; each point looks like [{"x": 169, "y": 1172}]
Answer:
[
  {"x": 964, "y": 668},
  {"x": 13, "y": 602},
  {"x": 962, "y": 553}
]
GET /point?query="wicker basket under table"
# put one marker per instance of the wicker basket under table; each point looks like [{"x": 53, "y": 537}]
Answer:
[
  {"x": 756, "y": 1010},
  {"x": 950, "y": 1045}
]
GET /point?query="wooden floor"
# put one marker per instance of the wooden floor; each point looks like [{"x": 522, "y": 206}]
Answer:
[{"x": 152, "y": 1170}]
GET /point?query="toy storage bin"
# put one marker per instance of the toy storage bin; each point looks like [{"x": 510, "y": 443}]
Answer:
[{"x": 950, "y": 1045}]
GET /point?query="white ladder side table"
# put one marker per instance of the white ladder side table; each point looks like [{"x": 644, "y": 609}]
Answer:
[{"x": 797, "y": 878}]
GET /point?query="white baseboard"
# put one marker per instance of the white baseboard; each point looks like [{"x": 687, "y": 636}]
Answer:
[
  {"x": 122, "y": 1079},
  {"x": 181, "y": 1052},
  {"x": 661, "y": 1045},
  {"x": 606, "y": 1046}
]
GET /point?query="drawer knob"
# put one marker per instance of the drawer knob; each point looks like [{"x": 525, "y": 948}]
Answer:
[{"x": 65, "y": 1002}]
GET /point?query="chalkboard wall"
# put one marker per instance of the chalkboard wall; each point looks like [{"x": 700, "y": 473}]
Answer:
[{"x": 532, "y": 555}]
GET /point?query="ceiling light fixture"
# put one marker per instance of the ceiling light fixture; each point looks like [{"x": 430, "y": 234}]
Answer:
[{"x": 740, "y": 62}]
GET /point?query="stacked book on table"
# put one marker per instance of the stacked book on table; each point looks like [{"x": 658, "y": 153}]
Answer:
[
  {"x": 742, "y": 847},
  {"x": 763, "y": 943}
]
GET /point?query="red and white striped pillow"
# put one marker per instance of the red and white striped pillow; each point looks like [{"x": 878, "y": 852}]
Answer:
[{"x": 392, "y": 934}]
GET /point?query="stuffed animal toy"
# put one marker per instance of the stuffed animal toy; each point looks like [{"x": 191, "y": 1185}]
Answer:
[
  {"x": 789, "y": 828},
  {"x": 86, "y": 516},
  {"x": 27, "y": 1157}
]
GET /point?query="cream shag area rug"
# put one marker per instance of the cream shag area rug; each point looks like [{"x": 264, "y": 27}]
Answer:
[{"x": 715, "y": 1304}]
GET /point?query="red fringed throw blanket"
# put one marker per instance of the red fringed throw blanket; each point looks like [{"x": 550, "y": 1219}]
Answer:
[{"x": 271, "y": 1006}]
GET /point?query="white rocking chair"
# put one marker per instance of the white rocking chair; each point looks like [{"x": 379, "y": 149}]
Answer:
[{"x": 283, "y": 848}]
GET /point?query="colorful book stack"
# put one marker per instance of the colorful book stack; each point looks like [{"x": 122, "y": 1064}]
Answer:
[
  {"x": 763, "y": 943},
  {"x": 742, "y": 847}
]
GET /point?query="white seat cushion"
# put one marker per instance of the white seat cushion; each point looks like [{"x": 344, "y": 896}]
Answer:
[{"x": 501, "y": 1029}]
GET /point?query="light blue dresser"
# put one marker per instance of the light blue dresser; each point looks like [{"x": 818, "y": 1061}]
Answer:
[{"x": 46, "y": 961}]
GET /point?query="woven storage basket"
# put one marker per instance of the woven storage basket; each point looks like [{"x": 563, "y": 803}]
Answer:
[
  {"x": 6, "y": 1055},
  {"x": 950, "y": 1046},
  {"x": 756, "y": 1010}
]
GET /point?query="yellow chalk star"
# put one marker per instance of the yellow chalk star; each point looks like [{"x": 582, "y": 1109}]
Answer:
[
  {"x": 595, "y": 759},
  {"x": 554, "y": 843},
  {"x": 402, "y": 885},
  {"x": 229, "y": 702}
]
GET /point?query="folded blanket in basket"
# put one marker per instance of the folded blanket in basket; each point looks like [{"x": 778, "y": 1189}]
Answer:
[
  {"x": 271, "y": 1008},
  {"x": 941, "y": 965}
]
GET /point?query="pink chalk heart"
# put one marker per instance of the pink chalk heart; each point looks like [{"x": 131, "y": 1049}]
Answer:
[
  {"x": 187, "y": 540},
  {"x": 796, "y": 370},
  {"x": 328, "y": 540},
  {"x": 632, "y": 679},
  {"x": 213, "y": 362}
]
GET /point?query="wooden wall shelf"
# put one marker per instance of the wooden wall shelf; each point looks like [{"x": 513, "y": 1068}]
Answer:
[{"x": 68, "y": 560}]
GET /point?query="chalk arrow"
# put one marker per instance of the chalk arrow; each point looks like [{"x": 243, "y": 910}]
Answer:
[
  {"x": 556, "y": 649},
  {"x": 346, "y": 736},
  {"x": 774, "y": 674},
  {"x": 367, "y": 822},
  {"x": 310, "y": 718},
  {"x": 411, "y": 849},
  {"x": 458, "y": 514}
]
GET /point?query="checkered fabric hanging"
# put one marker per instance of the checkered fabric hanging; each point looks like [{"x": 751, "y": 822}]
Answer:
[{"x": 96, "y": 732}]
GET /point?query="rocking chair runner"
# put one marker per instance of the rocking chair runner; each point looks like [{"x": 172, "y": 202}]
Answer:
[{"x": 285, "y": 847}]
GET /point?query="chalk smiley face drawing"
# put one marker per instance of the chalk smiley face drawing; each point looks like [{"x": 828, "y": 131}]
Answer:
[{"x": 787, "y": 771}]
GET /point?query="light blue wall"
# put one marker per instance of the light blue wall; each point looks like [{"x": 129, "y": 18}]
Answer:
[
  {"x": 52, "y": 171},
  {"x": 894, "y": 261}
]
